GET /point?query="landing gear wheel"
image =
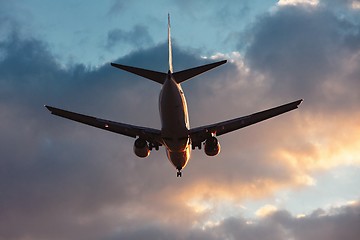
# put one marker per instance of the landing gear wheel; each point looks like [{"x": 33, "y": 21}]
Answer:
[{"x": 178, "y": 174}]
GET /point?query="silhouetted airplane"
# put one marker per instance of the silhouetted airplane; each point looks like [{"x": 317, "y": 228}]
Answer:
[{"x": 175, "y": 133}]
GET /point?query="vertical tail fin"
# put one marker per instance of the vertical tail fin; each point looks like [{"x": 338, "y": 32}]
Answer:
[{"x": 169, "y": 45}]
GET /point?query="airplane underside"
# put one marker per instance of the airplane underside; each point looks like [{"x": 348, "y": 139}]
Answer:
[
  {"x": 179, "y": 159},
  {"x": 175, "y": 134}
]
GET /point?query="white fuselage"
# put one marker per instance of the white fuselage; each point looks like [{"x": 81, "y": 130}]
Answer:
[{"x": 174, "y": 123}]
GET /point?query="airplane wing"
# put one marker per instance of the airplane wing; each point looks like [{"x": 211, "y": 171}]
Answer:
[
  {"x": 151, "y": 135},
  {"x": 200, "y": 134}
]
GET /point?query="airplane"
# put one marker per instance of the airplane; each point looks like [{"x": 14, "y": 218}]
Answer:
[{"x": 175, "y": 135}]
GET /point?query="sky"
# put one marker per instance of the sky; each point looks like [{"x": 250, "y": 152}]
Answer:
[{"x": 295, "y": 176}]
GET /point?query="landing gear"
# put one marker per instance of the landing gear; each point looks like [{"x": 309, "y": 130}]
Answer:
[
  {"x": 152, "y": 146},
  {"x": 178, "y": 174}
]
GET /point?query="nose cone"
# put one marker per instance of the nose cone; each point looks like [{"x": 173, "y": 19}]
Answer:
[{"x": 179, "y": 159}]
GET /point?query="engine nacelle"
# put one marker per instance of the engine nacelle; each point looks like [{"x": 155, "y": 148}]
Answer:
[
  {"x": 141, "y": 148},
  {"x": 212, "y": 146}
]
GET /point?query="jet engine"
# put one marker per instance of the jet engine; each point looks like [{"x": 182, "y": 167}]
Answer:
[
  {"x": 212, "y": 146},
  {"x": 141, "y": 148}
]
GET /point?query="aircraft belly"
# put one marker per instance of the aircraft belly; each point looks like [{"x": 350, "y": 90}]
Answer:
[
  {"x": 173, "y": 115},
  {"x": 175, "y": 136}
]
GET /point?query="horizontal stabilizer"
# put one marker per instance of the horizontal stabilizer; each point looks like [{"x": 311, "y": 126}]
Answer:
[
  {"x": 158, "y": 77},
  {"x": 192, "y": 72}
]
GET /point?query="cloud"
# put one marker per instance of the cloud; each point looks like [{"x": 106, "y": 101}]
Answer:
[
  {"x": 336, "y": 223},
  {"x": 306, "y": 52},
  {"x": 298, "y": 2},
  {"x": 352, "y": 4},
  {"x": 42, "y": 166},
  {"x": 355, "y": 5},
  {"x": 116, "y": 8},
  {"x": 266, "y": 210},
  {"x": 138, "y": 37}
]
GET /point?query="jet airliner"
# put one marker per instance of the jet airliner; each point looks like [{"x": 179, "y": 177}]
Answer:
[{"x": 175, "y": 134}]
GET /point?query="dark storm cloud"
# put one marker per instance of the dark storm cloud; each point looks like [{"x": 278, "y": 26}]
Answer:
[
  {"x": 337, "y": 223},
  {"x": 39, "y": 178},
  {"x": 305, "y": 51},
  {"x": 138, "y": 37}
]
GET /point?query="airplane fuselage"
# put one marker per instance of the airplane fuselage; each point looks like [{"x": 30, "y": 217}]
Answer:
[{"x": 174, "y": 122}]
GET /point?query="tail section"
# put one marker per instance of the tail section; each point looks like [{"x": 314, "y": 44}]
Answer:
[
  {"x": 189, "y": 73},
  {"x": 160, "y": 77},
  {"x": 169, "y": 45}
]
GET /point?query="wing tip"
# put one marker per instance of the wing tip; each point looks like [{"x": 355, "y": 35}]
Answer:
[
  {"x": 48, "y": 107},
  {"x": 299, "y": 102},
  {"x": 51, "y": 109},
  {"x": 115, "y": 65}
]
